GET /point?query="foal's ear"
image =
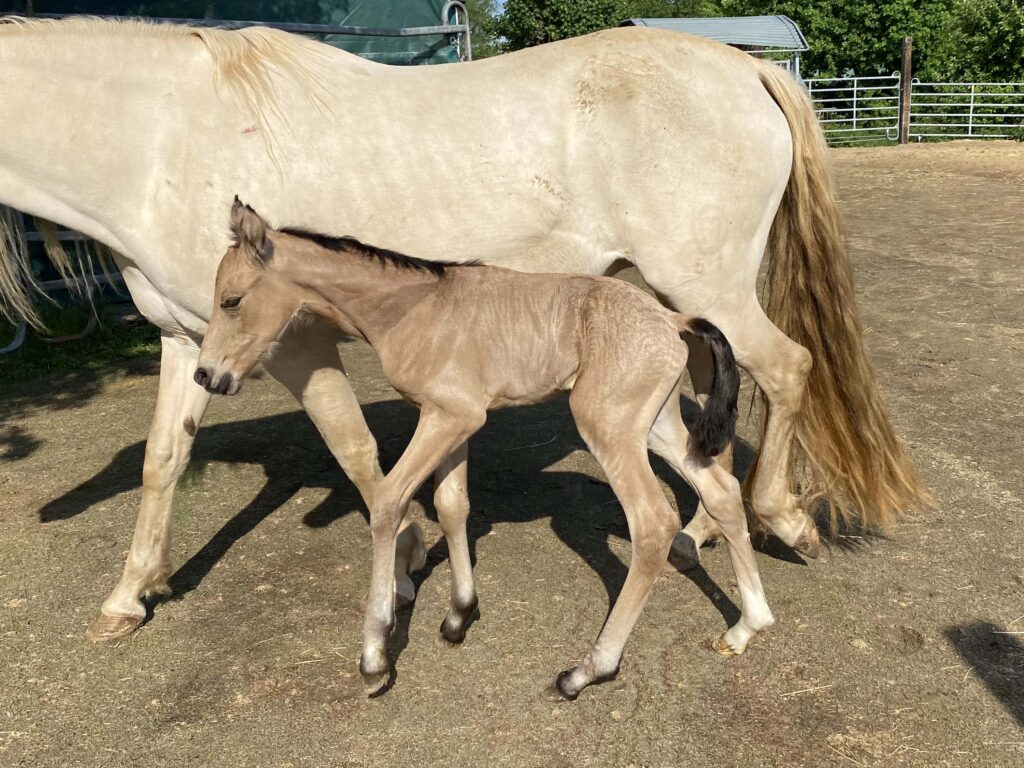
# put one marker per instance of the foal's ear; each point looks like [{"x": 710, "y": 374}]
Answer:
[{"x": 250, "y": 231}]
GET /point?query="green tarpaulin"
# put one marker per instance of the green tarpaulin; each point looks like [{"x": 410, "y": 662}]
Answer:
[
  {"x": 377, "y": 14},
  {"x": 433, "y": 49}
]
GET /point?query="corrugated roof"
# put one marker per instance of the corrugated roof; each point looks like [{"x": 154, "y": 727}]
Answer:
[{"x": 779, "y": 32}]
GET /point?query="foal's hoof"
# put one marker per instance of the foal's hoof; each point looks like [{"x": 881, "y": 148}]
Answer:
[
  {"x": 723, "y": 646},
  {"x": 684, "y": 554},
  {"x": 107, "y": 629},
  {"x": 453, "y": 634},
  {"x": 567, "y": 688},
  {"x": 808, "y": 543}
]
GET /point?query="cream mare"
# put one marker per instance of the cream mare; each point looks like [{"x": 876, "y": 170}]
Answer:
[{"x": 628, "y": 146}]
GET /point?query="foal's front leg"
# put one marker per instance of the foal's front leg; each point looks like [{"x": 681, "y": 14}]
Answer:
[{"x": 437, "y": 434}]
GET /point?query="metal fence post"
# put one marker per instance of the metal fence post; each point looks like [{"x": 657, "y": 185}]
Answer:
[
  {"x": 905, "y": 77},
  {"x": 855, "y": 103},
  {"x": 970, "y": 112}
]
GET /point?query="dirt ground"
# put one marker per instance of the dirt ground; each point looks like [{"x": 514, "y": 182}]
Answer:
[{"x": 900, "y": 652}]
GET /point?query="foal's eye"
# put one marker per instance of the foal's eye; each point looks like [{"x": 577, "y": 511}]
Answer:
[{"x": 231, "y": 302}]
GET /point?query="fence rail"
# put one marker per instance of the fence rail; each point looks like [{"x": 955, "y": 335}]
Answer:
[
  {"x": 966, "y": 110},
  {"x": 863, "y": 109},
  {"x": 857, "y": 109}
]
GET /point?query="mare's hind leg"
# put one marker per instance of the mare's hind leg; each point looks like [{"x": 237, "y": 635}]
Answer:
[
  {"x": 702, "y": 527},
  {"x": 780, "y": 367},
  {"x": 616, "y": 434},
  {"x": 451, "y": 499},
  {"x": 719, "y": 492}
]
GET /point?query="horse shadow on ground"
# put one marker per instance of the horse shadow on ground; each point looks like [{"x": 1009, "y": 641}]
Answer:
[
  {"x": 60, "y": 393},
  {"x": 997, "y": 658},
  {"x": 509, "y": 477}
]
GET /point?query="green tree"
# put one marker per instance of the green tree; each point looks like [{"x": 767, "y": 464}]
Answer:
[
  {"x": 862, "y": 37},
  {"x": 532, "y": 22},
  {"x": 984, "y": 42},
  {"x": 483, "y": 27}
]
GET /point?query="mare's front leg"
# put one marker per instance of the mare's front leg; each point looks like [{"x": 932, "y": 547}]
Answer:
[
  {"x": 437, "y": 435},
  {"x": 308, "y": 364},
  {"x": 180, "y": 405},
  {"x": 451, "y": 499}
]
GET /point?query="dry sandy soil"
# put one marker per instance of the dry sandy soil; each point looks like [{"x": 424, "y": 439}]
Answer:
[{"x": 899, "y": 652}]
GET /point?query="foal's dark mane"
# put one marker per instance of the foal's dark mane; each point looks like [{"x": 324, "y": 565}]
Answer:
[{"x": 383, "y": 255}]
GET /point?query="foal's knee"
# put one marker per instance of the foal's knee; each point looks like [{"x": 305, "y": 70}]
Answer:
[{"x": 653, "y": 539}]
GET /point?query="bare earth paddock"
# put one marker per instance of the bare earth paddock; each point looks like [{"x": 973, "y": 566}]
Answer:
[{"x": 902, "y": 652}]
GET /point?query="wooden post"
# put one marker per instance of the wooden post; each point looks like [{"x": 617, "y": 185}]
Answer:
[{"x": 905, "y": 77}]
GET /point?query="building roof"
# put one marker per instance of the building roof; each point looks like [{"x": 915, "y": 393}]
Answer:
[{"x": 775, "y": 32}]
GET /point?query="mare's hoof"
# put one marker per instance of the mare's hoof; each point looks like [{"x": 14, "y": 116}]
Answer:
[
  {"x": 107, "y": 629},
  {"x": 684, "y": 554},
  {"x": 405, "y": 593},
  {"x": 374, "y": 680},
  {"x": 808, "y": 543}
]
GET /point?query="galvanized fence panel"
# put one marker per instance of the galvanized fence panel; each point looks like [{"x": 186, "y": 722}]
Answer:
[
  {"x": 857, "y": 109},
  {"x": 966, "y": 110}
]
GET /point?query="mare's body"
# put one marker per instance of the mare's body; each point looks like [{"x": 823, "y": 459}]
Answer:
[{"x": 686, "y": 158}]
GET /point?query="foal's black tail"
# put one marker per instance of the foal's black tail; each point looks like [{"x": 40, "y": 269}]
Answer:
[{"x": 716, "y": 425}]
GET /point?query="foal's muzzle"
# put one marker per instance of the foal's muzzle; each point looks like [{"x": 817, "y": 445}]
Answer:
[{"x": 205, "y": 378}]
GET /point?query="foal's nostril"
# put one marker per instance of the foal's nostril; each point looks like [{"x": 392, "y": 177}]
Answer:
[
  {"x": 201, "y": 377},
  {"x": 225, "y": 384}
]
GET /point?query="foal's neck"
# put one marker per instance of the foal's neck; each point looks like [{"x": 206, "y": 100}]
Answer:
[{"x": 361, "y": 294}]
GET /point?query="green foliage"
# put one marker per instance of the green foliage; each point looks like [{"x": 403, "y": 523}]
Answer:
[
  {"x": 854, "y": 36},
  {"x": 985, "y": 41},
  {"x": 483, "y": 27},
  {"x": 112, "y": 343},
  {"x": 532, "y": 22}
]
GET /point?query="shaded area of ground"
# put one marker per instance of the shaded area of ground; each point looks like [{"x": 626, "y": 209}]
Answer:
[{"x": 905, "y": 651}]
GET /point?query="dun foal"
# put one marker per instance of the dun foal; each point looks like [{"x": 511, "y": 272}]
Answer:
[{"x": 458, "y": 340}]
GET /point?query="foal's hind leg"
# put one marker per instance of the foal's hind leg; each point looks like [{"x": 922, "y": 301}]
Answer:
[
  {"x": 616, "y": 434},
  {"x": 719, "y": 492},
  {"x": 451, "y": 499}
]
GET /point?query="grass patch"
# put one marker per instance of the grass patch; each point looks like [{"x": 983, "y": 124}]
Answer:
[{"x": 113, "y": 341}]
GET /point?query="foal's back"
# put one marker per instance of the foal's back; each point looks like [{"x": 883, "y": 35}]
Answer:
[{"x": 508, "y": 337}]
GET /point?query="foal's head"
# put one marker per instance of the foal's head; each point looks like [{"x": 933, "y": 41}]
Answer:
[{"x": 253, "y": 304}]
